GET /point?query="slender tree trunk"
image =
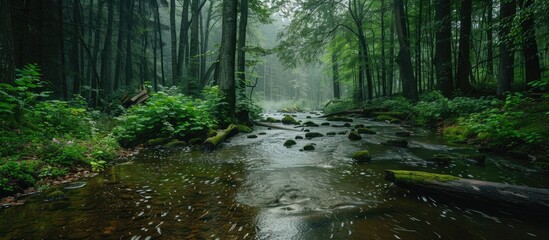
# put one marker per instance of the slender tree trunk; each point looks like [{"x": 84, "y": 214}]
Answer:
[
  {"x": 121, "y": 38},
  {"x": 419, "y": 26},
  {"x": 443, "y": 52},
  {"x": 154, "y": 49},
  {"x": 90, "y": 37},
  {"x": 64, "y": 90},
  {"x": 75, "y": 47},
  {"x": 106, "y": 55},
  {"x": 529, "y": 44},
  {"x": 161, "y": 43},
  {"x": 383, "y": 65},
  {"x": 409, "y": 84},
  {"x": 506, "y": 56},
  {"x": 183, "y": 39},
  {"x": 173, "y": 39},
  {"x": 129, "y": 49},
  {"x": 205, "y": 43},
  {"x": 335, "y": 75},
  {"x": 464, "y": 62},
  {"x": 96, "y": 49},
  {"x": 194, "y": 58},
  {"x": 391, "y": 70},
  {"x": 490, "y": 44},
  {"x": 7, "y": 66},
  {"x": 227, "y": 53},
  {"x": 242, "y": 114}
]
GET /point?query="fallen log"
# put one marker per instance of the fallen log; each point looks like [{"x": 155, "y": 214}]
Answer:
[
  {"x": 513, "y": 197},
  {"x": 274, "y": 126},
  {"x": 213, "y": 142}
]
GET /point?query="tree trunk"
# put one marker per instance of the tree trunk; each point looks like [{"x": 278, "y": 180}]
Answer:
[
  {"x": 242, "y": 114},
  {"x": 506, "y": 56},
  {"x": 409, "y": 85},
  {"x": 129, "y": 51},
  {"x": 205, "y": 43},
  {"x": 173, "y": 39},
  {"x": 391, "y": 70},
  {"x": 464, "y": 62},
  {"x": 161, "y": 43},
  {"x": 75, "y": 47},
  {"x": 419, "y": 26},
  {"x": 63, "y": 82},
  {"x": 529, "y": 44},
  {"x": 490, "y": 44},
  {"x": 106, "y": 55},
  {"x": 443, "y": 52},
  {"x": 183, "y": 39},
  {"x": 7, "y": 66},
  {"x": 121, "y": 38},
  {"x": 227, "y": 54},
  {"x": 383, "y": 61},
  {"x": 96, "y": 49},
  {"x": 194, "y": 57},
  {"x": 335, "y": 75}
]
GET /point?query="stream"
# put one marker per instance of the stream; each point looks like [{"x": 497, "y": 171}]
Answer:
[{"x": 255, "y": 188}]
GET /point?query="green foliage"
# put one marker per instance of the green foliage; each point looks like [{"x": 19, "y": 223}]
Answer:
[
  {"x": 62, "y": 118},
  {"x": 175, "y": 116},
  {"x": 216, "y": 104},
  {"x": 338, "y": 106},
  {"x": 16, "y": 175},
  {"x": 15, "y": 98},
  {"x": 52, "y": 172},
  {"x": 65, "y": 154},
  {"x": 433, "y": 107},
  {"x": 98, "y": 166}
]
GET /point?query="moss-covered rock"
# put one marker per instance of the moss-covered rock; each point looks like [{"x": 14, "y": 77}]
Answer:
[
  {"x": 479, "y": 158},
  {"x": 310, "y": 124},
  {"x": 308, "y": 117},
  {"x": 403, "y": 176},
  {"x": 212, "y": 133},
  {"x": 397, "y": 143},
  {"x": 309, "y": 147},
  {"x": 272, "y": 120},
  {"x": 56, "y": 196},
  {"x": 325, "y": 124},
  {"x": 289, "y": 143},
  {"x": 196, "y": 141},
  {"x": 347, "y": 125},
  {"x": 262, "y": 133},
  {"x": 403, "y": 134},
  {"x": 289, "y": 120},
  {"x": 365, "y": 131},
  {"x": 385, "y": 118},
  {"x": 310, "y": 135},
  {"x": 157, "y": 142},
  {"x": 361, "y": 156},
  {"x": 331, "y": 133},
  {"x": 354, "y": 136},
  {"x": 441, "y": 159},
  {"x": 339, "y": 119},
  {"x": 243, "y": 128},
  {"x": 175, "y": 144},
  {"x": 252, "y": 136},
  {"x": 298, "y": 137},
  {"x": 307, "y": 130}
]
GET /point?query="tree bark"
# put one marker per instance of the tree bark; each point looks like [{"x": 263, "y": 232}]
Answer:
[
  {"x": 194, "y": 57},
  {"x": 129, "y": 49},
  {"x": 529, "y": 44},
  {"x": 183, "y": 39},
  {"x": 106, "y": 55},
  {"x": 242, "y": 114},
  {"x": 506, "y": 56},
  {"x": 490, "y": 44},
  {"x": 335, "y": 75},
  {"x": 121, "y": 39},
  {"x": 227, "y": 54},
  {"x": 7, "y": 66},
  {"x": 464, "y": 62},
  {"x": 173, "y": 38},
  {"x": 409, "y": 85},
  {"x": 383, "y": 60},
  {"x": 443, "y": 51}
]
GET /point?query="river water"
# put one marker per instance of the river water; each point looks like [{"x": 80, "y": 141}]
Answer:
[{"x": 259, "y": 189}]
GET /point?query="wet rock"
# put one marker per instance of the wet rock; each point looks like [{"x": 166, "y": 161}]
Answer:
[
  {"x": 339, "y": 119},
  {"x": 310, "y": 135},
  {"x": 310, "y": 124},
  {"x": 342, "y": 133},
  {"x": 354, "y": 136},
  {"x": 347, "y": 125},
  {"x": 361, "y": 156},
  {"x": 56, "y": 196},
  {"x": 308, "y": 117},
  {"x": 398, "y": 115},
  {"x": 325, "y": 124},
  {"x": 262, "y": 133},
  {"x": 289, "y": 120},
  {"x": 272, "y": 120},
  {"x": 385, "y": 118},
  {"x": 156, "y": 142},
  {"x": 243, "y": 128},
  {"x": 360, "y": 126},
  {"x": 337, "y": 125},
  {"x": 309, "y": 147},
  {"x": 441, "y": 159},
  {"x": 74, "y": 185},
  {"x": 196, "y": 141},
  {"x": 478, "y": 158},
  {"x": 252, "y": 136},
  {"x": 306, "y": 130},
  {"x": 403, "y": 134},
  {"x": 289, "y": 143},
  {"x": 365, "y": 131},
  {"x": 331, "y": 133},
  {"x": 298, "y": 137},
  {"x": 397, "y": 143},
  {"x": 212, "y": 133},
  {"x": 175, "y": 144}
]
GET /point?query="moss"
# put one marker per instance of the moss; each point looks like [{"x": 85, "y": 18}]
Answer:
[
  {"x": 310, "y": 135},
  {"x": 288, "y": 120},
  {"x": 212, "y": 133},
  {"x": 195, "y": 141},
  {"x": 354, "y": 136},
  {"x": 457, "y": 133},
  {"x": 243, "y": 128},
  {"x": 365, "y": 131},
  {"x": 339, "y": 119},
  {"x": 157, "y": 141},
  {"x": 310, "y": 124},
  {"x": 289, "y": 143},
  {"x": 383, "y": 118},
  {"x": 272, "y": 120},
  {"x": 361, "y": 156},
  {"x": 399, "y": 115},
  {"x": 309, "y": 147},
  {"x": 213, "y": 142},
  {"x": 404, "y": 176},
  {"x": 175, "y": 144}
]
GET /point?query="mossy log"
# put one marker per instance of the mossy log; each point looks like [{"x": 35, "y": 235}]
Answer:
[
  {"x": 213, "y": 142},
  {"x": 492, "y": 193}
]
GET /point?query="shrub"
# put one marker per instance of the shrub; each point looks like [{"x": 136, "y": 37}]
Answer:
[{"x": 16, "y": 175}]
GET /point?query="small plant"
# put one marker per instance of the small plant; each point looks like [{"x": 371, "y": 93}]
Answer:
[{"x": 98, "y": 166}]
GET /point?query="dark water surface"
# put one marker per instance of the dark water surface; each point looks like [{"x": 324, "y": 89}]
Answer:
[{"x": 259, "y": 189}]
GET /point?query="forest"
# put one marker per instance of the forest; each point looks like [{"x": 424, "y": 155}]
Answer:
[{"x": 307, "y": 119}]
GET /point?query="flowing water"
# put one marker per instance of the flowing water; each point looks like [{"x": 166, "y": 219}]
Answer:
[{"x": 259, "y": 189}]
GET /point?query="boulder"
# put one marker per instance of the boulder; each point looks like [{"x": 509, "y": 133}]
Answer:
[
  {"x": 309, "y": 147},
  {"x": 331, "y": 133},
  {"x": 156, "y": 142},
  {"x": 347, "y": 125},
  {"x": 289, "y": 143},
  {"x": 310, "y": 124},
  {"x": 243, "y": 128},
  {"x": 289, "y": 120},
  {"x": 361, "y": 156},
  {"x": 354, "y": 136},
  {"x": 342, "y": 133},
  {"x": 298, "y": 137},
  {"x": 310, "y": 135},
  {"x": 325, "y": 124},
  {"x": 252, "y": 136}
]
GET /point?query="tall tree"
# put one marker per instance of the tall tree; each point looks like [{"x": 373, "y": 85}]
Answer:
[
  {"x": 409, "y": 85},
  {"x": 490, "y": 42},
  {"x": 227, "y": 54},
  {"x": 75, "y": 47},
  {"x": 173, "y": 38},
  {"x": 529, "y": 43},
  {"x": 183, "y": 41},
  {"x": 506, "y": 57},
  {"x": 121, "y": 39},
  {"x": 383, "y": 60},
  {"x": 129, "y": 49},
  {"x": 242, "y": 114},
  {"x": 464, "y": 62},
  {"x": 7, "y": 67},
  {"x": 443, "y": 51},
  {"x": 335, "y": 75},
  {"x": 106, "y": 54}
]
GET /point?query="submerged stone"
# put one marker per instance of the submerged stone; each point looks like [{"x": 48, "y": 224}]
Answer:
[
  {"x": 298, "y": 137},
  {"x": 342, "y": 133},
  {"x": 397, "y": 143},
  {"x": 360, "y": 126},
  {"x": 74, "y": 185},
  {"x": 361, "y": 156},
  {"x": 310, "y": 124},
  {"x": 289, "y": 143},
  {"x": 325, "y": 124},
  {"x": 479, "y": 158},
  {"x": 56, "y": 196},
  {"x": 252, "y": 136},
  {"x": 347, "y": 125},
  {"x": 309, "y": 147},
  {"x": 354, "y": 136},
  {"x": 310, "y": 135},
  {"x": 262, "y": 133},
  {"x": 331, "y": 133}
]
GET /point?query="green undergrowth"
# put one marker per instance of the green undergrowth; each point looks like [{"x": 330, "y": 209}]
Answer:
[{"x": 46, "y": 139}]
